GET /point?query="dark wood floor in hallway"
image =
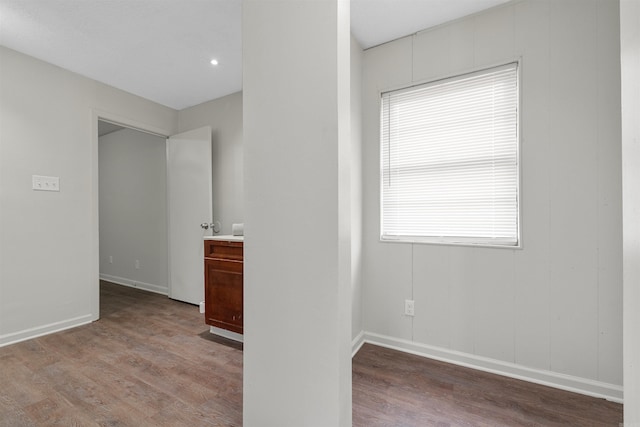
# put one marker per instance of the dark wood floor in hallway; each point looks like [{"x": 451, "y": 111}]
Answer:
[{"x": 150, "y": 361}]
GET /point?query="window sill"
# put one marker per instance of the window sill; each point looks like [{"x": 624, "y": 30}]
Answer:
[{"x": 469, "y": 244}]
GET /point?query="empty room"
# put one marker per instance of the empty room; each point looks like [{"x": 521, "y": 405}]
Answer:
[{"x": 319, "y": 213}]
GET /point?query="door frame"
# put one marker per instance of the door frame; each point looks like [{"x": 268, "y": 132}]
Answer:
[{"x": 97, "y": 115}]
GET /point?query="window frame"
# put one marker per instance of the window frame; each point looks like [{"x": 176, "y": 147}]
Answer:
[{"x": 457, "y": 241}]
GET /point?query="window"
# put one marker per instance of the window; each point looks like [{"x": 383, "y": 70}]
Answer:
[{"x": 449, "y": 160}]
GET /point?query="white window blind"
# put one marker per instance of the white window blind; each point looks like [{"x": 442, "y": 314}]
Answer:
[{"x": 449, "y": 160}]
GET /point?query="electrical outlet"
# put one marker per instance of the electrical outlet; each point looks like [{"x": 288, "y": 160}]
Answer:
[
  {"x": 110, "y": 259},
  {"x": 409, "y": 307},
  {"x": 137, "y": 264}
]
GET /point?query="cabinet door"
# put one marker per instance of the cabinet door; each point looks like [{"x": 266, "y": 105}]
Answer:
[{"x": 223, "y": 299}]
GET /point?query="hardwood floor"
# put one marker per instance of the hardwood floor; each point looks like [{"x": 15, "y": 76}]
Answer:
[
  {"x": 391, "y": 388},
  {"x": 150, "y": 361}
]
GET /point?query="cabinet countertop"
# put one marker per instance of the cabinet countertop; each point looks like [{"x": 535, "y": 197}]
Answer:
[{"x": 226, "y": 238}]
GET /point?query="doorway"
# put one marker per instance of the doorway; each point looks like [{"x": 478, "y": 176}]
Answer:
[
  {"x": 139, "y": 187},
  {"x": 133, "y": 237}
]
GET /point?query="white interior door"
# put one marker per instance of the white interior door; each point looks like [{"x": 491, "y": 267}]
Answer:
[{"x": 189, "y": 205}]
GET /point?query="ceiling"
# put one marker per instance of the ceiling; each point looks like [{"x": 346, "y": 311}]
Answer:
[{"x": 161, "y": 49}]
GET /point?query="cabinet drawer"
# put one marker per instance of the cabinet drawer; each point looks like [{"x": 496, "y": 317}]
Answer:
[
  {"x": 214, "y": 265},
  {"x": 223, "y": 249}
]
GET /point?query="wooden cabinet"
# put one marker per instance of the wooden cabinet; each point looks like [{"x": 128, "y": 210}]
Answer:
[{"x": 223, "y": 294}]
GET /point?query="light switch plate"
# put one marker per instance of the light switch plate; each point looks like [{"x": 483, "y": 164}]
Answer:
[{"x": 45, "y": 183}]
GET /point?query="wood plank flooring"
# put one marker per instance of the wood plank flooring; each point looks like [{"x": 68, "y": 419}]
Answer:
[
  {"x": 150, "y": 361},
  {"x": 391, "y": 388}
]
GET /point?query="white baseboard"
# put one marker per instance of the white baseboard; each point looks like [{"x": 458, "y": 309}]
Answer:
[
  {"x": 226, "y": 334},
  {"x": 356, "y": 343},
  {"x": 27, "y": 334},
  {"x": 571, "y": 383},
  {"x": 135, "y": 284}
]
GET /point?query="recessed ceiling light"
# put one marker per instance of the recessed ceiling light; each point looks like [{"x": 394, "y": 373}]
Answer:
[{"x": 214, "y": 62}]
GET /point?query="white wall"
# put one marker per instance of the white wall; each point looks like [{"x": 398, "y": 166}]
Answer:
[
  {"x": 224, "y": 115},
  {"x": 133, "y": 209},
  {"x": 630, "y": 55},
  {"x": 550, "y": 312},
  {"x": 297, "y": 270},
  {"x": 49, "y": 241},
  {"x": 356, "y": 190}
]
